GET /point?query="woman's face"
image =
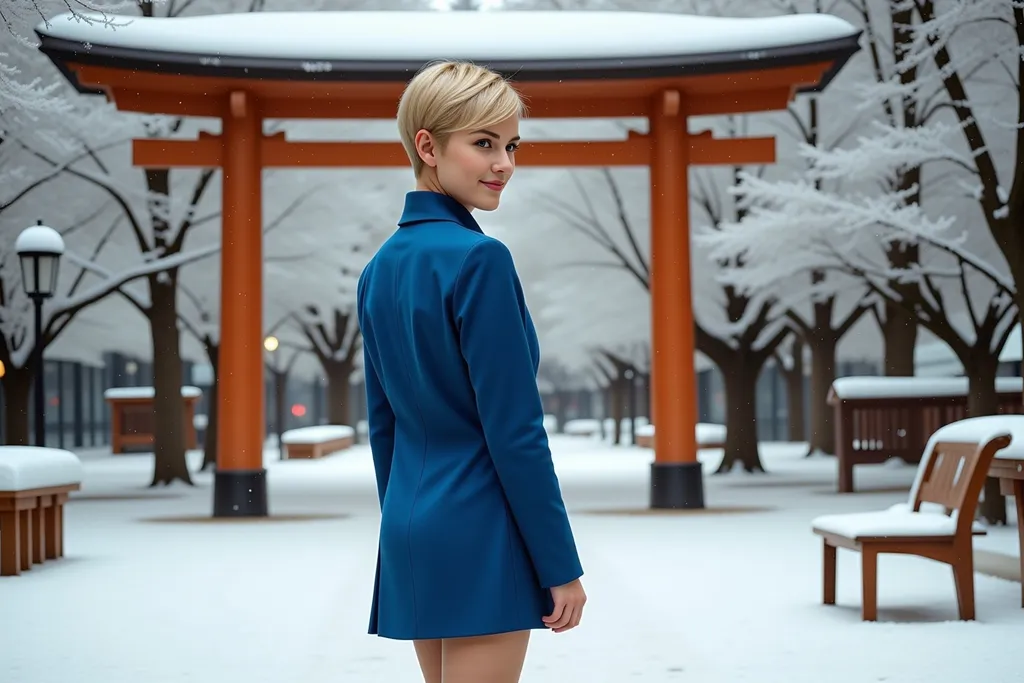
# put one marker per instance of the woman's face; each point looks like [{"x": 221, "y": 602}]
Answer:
[{"x": 475, "y": 165}]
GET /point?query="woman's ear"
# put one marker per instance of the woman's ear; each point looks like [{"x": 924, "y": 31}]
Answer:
[{"x": 426, "y": 147}]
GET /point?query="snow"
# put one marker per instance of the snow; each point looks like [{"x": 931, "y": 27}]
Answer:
[
  {"x": 975, "y": 430},
  {"x": 318, "y": 434},
  {"x": 898, "y": 520},
  {"x": 29, "y": 467},
  {"x": 147, "y": 392},
  {"x": 40, "y": 239},
  {"x": 707, "y": 432},
  {"x": 913, "y": 387},
  {"x": 673, "y": 597},
  {"x": 981, "y": 429},
  {"x": 885, "y": 523},
  {"x": 425, "y": 36}
]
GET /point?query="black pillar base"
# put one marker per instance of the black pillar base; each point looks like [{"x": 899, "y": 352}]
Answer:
[
  {"x": 240, "y": 493},
  {"x": 677, "y": 486}
]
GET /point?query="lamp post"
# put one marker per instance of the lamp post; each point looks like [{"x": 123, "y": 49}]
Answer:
[
  {"x": 39, "y": 248},
  {"x": 631, "y": 396},
  {"x": 271, "y": 344}
]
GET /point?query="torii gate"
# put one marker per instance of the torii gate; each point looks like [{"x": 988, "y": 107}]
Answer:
[{"x": 244, "y": 68}]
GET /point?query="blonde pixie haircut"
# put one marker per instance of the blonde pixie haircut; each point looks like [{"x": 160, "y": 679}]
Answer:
[{"x": 452, "y": 96}]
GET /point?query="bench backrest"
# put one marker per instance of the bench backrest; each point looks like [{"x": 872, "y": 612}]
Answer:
[{"x": 954, "y": 474}]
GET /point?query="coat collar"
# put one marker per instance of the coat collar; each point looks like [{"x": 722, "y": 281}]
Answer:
[{"x": 422, "y": 206}]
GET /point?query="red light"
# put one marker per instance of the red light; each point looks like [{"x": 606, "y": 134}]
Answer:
[{"x": 298, "y": 410}]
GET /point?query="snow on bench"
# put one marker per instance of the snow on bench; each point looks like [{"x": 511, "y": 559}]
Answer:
[
  {"x": 937, "y": 520},
  {"x": 130, "y": 393},
  {"x": 912, "y": 387},
  {"x": 34, "y": 485},
  {"x": 582, "y": 427},
  {"x": 981, "y": 429},
  {"x": 317, "y": 441},
  {"x": 709, "y": 435}
]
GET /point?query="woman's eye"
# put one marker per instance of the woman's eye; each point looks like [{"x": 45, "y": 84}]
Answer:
[
  {"x": 484, "y": 143},
  {"x": 513, "y": 147}
]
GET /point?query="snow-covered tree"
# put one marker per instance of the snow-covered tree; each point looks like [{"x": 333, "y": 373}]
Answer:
[
  {"x": 163, "y": 212},
  {"x": 975, "y": 50},
  {"x": 738, "y": 330},
  {"x": 860, "y": 210}
]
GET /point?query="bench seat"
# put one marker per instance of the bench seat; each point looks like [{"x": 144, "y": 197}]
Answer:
[{"x": 317, "y": 441}]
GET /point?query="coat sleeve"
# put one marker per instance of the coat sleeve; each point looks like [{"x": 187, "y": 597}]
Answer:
[
  {"x": 380, "y": 416},
  {"x": 490, "y": 315}
]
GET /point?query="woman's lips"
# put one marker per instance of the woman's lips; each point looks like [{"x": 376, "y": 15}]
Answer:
[{"x": 497, "y": 187}]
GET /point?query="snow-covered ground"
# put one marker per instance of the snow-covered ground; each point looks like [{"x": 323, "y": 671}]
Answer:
[{"x": 152, "y": 591}]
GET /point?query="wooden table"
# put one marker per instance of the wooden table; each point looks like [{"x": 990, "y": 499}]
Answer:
[{"x": 1010, "y": 472}]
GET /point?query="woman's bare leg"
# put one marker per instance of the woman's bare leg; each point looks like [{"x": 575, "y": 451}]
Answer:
[
  {"x": 429, "y": 654},
  {"x": 494, "y": 659}
]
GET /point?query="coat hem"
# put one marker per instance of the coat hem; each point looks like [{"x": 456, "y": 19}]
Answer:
[{"x": 461, "y": 634}]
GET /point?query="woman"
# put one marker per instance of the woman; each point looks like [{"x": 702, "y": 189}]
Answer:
[{"x": 475, "y": 544}]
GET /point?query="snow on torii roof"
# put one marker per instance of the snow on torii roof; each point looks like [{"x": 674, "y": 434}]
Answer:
[{"x": 391, "y": 46}]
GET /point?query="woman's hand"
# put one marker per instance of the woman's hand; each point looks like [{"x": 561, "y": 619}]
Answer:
[{"x": 569, "y": 600}]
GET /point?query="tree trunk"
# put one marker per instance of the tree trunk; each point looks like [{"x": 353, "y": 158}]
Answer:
[
  {"x": 899, "y": 332},
  {"x": 644, "y": 403},
  {"x": 982, "y": 399},
  {"x": 562, "y": 399},
  {"x": 741, "y": 415},
  {"x": 169, "y": 461},
  {"x": 17, "y": 392},
  {"x": 823, "y": 373},
  {"x": 210, "y": 438},
  {"x": 280, "y": 398},
  {"x": 794, "y": 376},
  {"x": 338, "y": 374}
]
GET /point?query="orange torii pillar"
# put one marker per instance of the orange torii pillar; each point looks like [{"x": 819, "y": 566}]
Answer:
[
  {"x": 677, "y": 480},
  {"x": 240, "y": 487}
]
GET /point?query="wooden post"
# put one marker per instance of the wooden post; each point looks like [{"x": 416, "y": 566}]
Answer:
[
  {"x": 676, "y": 477},
  {"x": 10, "y": 542},
  {"x": 240, "y": 481}
]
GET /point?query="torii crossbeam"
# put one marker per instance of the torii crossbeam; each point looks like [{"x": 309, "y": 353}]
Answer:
[{"x": 245, "y": 68}]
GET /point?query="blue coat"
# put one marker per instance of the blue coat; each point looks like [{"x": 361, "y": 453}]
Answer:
[{"x": 473, "y": 528}]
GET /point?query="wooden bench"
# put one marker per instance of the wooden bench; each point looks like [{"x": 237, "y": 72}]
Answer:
[
  {"x": 131, "y": 417},
  {"x": 936, "y": 523},
  {"x": 34, "y": 485},
  {"x": 316, "y": 442},
  {"x": 1008, "y": 468},
  {"x": 878, "y": 418},
  {"x": 709, "y": 435}
]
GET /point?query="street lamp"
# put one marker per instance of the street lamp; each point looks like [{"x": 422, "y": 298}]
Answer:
[
  {"x": 631, "y": 397},
  {"x": 39, "y": 249},
  {"x": 271, "y": 344}
]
